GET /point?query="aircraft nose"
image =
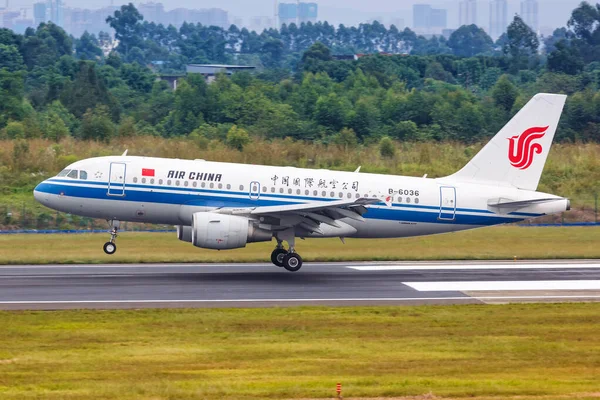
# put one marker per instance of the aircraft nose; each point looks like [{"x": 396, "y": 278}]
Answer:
[{"x": 38, "y": 194}]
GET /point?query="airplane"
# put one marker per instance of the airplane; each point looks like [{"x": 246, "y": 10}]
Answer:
[{"x": 221, "y": 206}]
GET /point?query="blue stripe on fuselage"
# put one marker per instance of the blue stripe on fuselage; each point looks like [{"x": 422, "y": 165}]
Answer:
[{"x": 221, "y": 198}]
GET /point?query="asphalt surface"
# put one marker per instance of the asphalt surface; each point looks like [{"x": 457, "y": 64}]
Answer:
[{"x": 259, "y": 285}]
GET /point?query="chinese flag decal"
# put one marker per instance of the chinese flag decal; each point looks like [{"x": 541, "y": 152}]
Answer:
[{"x": 147, "y": 171}]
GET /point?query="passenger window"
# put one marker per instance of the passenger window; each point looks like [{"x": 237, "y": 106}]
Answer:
[
  {"x": 408, "y": 199},
  {"x": 143, "y": 180},
  {"x": 160, "y": 181},
  {"x": 72, "y": 174},
  {"x": 289, "y": 191},
  {"x": 203, "y": 184},
  {"x": 241, "y": 187},
  {"x": 228, "y": 186},
  {"x": 349, "y": 195},
  {"x": 212, "y": 185},
  {"x": 186, "y": 183},
  {"x": 280, "y": 190},
  {"x": 264, "y": 189},
  {"x": 152, "y": 181},
  {"x": 176, "y": 183},
  {"x": 64, "y": 172},
  {"x": 194, "y": 184},
  {"x": 272, "y": 190},
  {"x": 417, "y": 200},
  {"x": 220, "y": 186},
  {"x": 135, "y": 180},
  {"x": 83, "y": 175},
  {"x": 169, "y": 182}
]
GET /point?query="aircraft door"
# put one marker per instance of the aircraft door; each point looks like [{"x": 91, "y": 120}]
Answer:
[
  {"x": 254, "y": 190},
  {"x": 447, "y": 203},
  {"x": 116, "y": 179}
]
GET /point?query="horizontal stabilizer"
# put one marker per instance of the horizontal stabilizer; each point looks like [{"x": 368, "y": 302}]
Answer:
[{"x": 518, "y": 204}]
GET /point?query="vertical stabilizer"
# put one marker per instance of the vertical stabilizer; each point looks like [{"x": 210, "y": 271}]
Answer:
[{"x": 517, "y": 154}]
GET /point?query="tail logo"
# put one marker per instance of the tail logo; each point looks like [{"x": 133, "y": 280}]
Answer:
[{"x": 522, "y": 147}]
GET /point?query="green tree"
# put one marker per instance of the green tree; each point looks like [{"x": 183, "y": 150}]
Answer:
[
  {"x": 87, "y": 47},
  {"x": 386, "y": 147},
  {"x": 15, "y": 130},
  {"x": 97, "y": 125},
  {"x": 10, "y": 58},
  {"x": 128, "y": 28},
  {"x": 522, "y": 42},
  {"x": 565, "y": 59},
  {"x": 237, "y": 138},
  {"x": 406, "y": 130},
  {"x": 55, "y": 127},
  {"x": 11, "y": 96},
  {"x": 44, "y": 46},
  {"x": 127, "y": 128},
  {"x": 346, "y": 138},
  {"x": 470, "y": 40},
  {"x": 87, "y": 91},
  {"x": 329, "y": 112},
  {"x": 504, "y": 93}
]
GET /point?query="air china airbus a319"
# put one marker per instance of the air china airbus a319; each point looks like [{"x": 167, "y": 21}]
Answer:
[{"x": 225, "y": 206}]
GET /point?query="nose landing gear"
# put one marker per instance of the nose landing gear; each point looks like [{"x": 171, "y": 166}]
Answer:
[{"x": 110, "y": 247}]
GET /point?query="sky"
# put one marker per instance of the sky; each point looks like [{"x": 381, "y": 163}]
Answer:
[{"x": 552, "y": 13}]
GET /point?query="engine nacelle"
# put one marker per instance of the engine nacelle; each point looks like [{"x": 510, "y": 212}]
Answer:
[
  {"x": 221, "y": 231},
  {"x": 184, "y": 233}
]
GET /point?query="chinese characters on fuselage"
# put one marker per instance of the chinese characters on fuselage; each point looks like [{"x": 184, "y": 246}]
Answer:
[{"x": 312, "y": 182}]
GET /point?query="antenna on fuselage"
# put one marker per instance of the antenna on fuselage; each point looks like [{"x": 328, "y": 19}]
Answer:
[
  {"x": 124, "y": 153},
  {"x": 358, "y": 169}
]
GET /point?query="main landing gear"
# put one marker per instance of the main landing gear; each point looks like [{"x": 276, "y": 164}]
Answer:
[
  {"x": 287, "y": 259},
  {"x": 110, "y": 247}
]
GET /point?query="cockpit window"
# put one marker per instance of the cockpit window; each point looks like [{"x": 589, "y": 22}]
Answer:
[
  {"x": 72, "y": 174},
  {"x": 64, "y": 172},
  {"x": 83, "y": 175}
]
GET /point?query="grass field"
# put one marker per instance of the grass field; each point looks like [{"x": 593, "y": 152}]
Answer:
[
  {"x": 534, "y": 351},
  {"x": 491, "y": 243}
]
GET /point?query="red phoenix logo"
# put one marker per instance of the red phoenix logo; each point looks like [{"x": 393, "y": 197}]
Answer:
[{"x": 521, "y": 148}]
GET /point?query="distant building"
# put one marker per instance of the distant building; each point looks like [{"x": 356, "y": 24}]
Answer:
[
  {"x": 529, "y": 13},
  {"x": 428, "y": 20},
  {"x": 498, "y": 18},
  {"x": 297, "y": 13},
  {"x": 467, "y": 12},
  {"x": 211, "y": 70},
  {"x": 39, "y": 13}
]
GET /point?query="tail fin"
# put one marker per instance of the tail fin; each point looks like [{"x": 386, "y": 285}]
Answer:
[{"x": 517, "y": 154}]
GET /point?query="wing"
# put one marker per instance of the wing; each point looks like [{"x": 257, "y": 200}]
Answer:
[{"x": 318, "y": 217}]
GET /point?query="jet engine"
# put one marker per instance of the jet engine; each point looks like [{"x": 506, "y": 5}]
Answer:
[
  {"x": 184, "y": 233},
  {"x": 221, "y": 231}
]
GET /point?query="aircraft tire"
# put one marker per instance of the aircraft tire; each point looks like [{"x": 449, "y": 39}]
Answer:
[
  {"x": 277, "y": 256},
  {"x": 292, "y": 262},
  {"x": 110, "y": 248}
]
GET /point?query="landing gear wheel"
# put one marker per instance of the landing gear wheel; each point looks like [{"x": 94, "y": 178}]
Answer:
[
  {"x": 292, "y": 262},
  {"x": 110, "y": 248},
  {"x": 277, "y": 256}
]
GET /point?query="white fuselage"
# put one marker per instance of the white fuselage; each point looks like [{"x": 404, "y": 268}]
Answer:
[{"x": 169, "y": 191}]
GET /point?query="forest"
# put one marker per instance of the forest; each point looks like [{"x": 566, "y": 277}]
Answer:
[
  {"x": 63, "y": 98},
  {"x": 409, "y": 89}
]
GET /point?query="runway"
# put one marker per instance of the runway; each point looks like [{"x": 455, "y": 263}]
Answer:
[{"x": 262, "y": 285}]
